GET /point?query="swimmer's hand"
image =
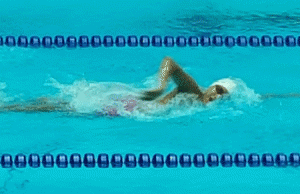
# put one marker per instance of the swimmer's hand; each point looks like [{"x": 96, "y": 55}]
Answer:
[{"x": 151, "y": 95}]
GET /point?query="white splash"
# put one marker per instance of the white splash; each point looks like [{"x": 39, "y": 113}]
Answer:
[{"x": 91, "y": 97}]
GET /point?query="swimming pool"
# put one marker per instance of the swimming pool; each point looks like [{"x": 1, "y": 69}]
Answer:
[{"x": 85, "y": 76}]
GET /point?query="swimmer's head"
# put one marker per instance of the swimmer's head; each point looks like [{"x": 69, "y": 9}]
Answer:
[{"x": 214, "y": 92}]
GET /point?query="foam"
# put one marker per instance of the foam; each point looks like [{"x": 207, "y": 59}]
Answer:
[
  {"x": 99, "y": 98},
  {"x": 95, "y": 97}
]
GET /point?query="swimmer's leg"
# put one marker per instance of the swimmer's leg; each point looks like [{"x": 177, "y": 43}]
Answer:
[
  {"x": 41, "y": 104},
  {"x": 29, "y": 108},
  {"x": 169, "y": 68}
]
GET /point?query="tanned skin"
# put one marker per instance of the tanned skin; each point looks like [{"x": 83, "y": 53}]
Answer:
[{"x": 185, "y": 84}]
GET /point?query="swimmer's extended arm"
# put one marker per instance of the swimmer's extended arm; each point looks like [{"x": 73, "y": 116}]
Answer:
[{"x": 291, "y": 95}]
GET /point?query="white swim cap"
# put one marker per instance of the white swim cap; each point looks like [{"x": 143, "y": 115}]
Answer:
[{"x": 226, "y": 83}]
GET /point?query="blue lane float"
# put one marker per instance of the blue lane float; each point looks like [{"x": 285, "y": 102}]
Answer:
[
  {"x": 229, "y": 41},
  {"x": 169, "y": 41},
  {"x": 181, "y": 41},
  {"x": 35, "y": 42},
  {"x": 145, "y": 41},
  {"x": 96, "y": 41},
  {"x": 145, "y": 161},
  {"x": 217, "y": 41},
  {"x": 59, "y": 41},
  {"x": 193, "y": 41},
  {"x": 84, "y": 41},
  {"x": 266, "y": 41},
  {"x": 290, "y": 41},
  {"x": 22, "y": 41},
  {"x": 108, "y": 41},
  {"x": 278, "y": 41},
  {"x": 242, "y": 41},
  {"x": 205, "y": 41},
  {"x": 47, "y": 42},
  {"x": 120, "y": 41},
  {"x": 10, "y": 41},
  {"x": 132, "y": 41},
  {"x": 156, "y": 41},
  {"x": 71, "y": 42},
  {"x": 254, "y": 41}
]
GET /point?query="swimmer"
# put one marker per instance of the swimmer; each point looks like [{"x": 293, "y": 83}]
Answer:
[
  {"x": 185, "y": 84},
  {"x": 168, "y": 69}
]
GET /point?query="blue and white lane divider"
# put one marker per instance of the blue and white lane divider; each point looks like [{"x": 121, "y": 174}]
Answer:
[
  {"x": 157, "y": 161},
  {"x": 146, "y": 41}
]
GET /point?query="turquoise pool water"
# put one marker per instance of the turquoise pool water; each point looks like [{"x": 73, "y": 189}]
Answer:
[{"x": 89, "y": 77}]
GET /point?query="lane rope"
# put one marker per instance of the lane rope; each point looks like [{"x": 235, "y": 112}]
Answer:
[
  {"x": 157, "y": 161},
  {"x": 147, "y": 41}
]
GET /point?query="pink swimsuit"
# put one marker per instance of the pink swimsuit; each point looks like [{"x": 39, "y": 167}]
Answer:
[{"x": 112, "y": 111}]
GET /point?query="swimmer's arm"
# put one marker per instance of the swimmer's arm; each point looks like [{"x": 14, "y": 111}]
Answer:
[
  {"x": 291, "y": 95},
  {"x": 169, "y": 96}
]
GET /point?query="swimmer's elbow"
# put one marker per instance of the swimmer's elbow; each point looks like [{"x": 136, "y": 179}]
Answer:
[{"x": 168, "y": 58}]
